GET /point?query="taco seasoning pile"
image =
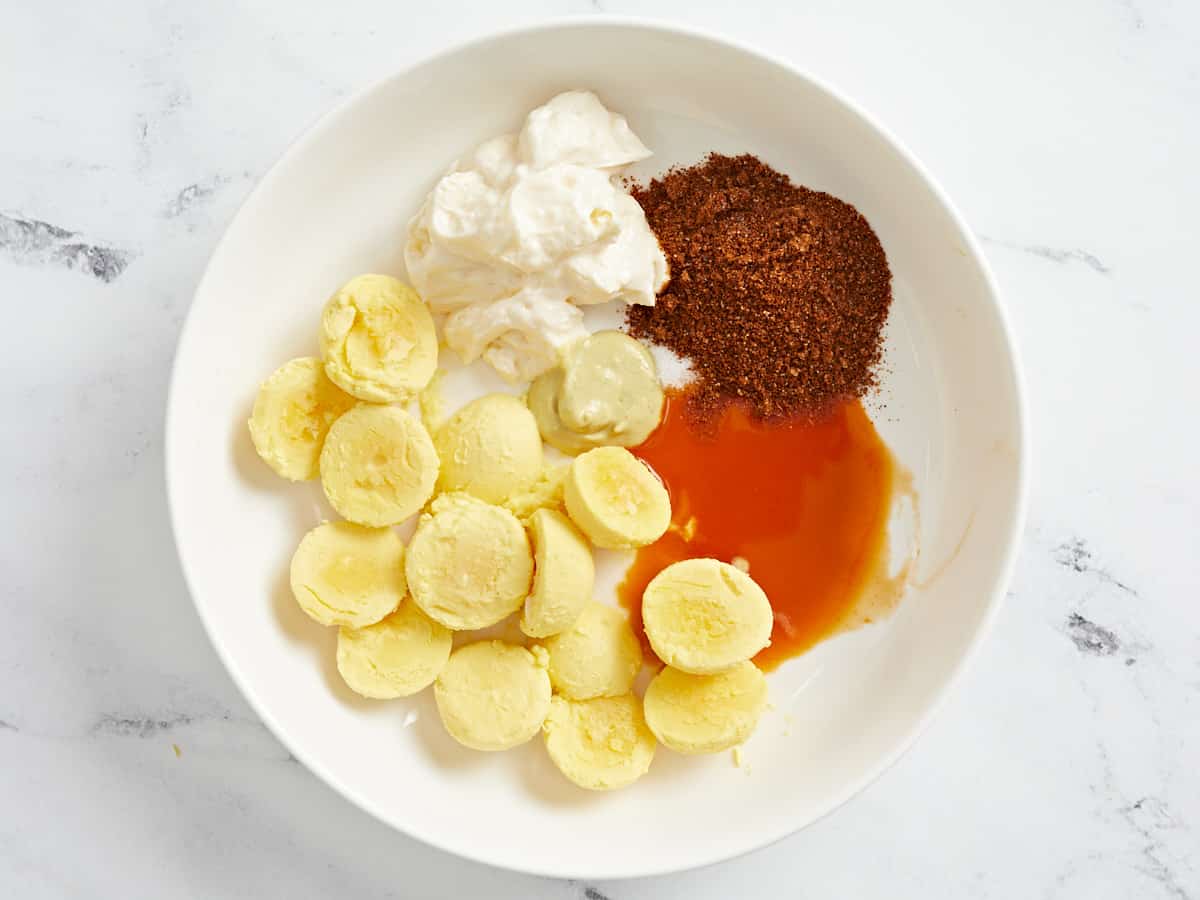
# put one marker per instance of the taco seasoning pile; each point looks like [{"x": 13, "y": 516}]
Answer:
[{"x": 778, "y": 294}]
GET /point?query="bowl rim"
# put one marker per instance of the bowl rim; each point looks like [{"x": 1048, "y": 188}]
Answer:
[{"x": 736, "y": 848}]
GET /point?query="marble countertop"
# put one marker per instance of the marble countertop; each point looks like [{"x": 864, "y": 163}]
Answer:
[{"x": 1066, "y": 763}]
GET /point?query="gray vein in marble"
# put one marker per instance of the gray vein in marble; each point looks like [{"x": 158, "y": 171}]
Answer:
[
  {"x": 175, "y": 97},
  {"x": 589, "y": 892},
  {"x": 148, "y": 726},
  {"x": 1075, "y": 555},
  {"x": 1054, "y": 254},
  {"x": 1090, "y": 638},
  {"x": 1149, "y": 817},
  {"x": 35, "y": 243},
  {"x": 195, "y": 195},
  {"x": 187, "y": 198},
  {"x": 143, "y": 142},
  {"x": 143, "y": 726}
]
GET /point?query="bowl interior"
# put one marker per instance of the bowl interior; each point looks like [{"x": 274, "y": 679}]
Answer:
[{"x": 337, "y": 205}]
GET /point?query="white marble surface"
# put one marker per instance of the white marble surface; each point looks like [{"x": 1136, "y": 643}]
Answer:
[{"x": 1066, "y": 763}]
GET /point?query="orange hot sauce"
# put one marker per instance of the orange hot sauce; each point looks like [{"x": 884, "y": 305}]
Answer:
[{"x": 805, "y": 504}]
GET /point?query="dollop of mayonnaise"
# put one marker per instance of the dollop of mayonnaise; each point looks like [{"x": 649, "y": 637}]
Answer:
[{"x": 528, "y": 228}]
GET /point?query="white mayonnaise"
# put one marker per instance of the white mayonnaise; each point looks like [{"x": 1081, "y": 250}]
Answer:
[{"x": 528, "y": 228}]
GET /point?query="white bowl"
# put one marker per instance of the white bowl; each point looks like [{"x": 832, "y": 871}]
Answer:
[{"x": 336, "y": 205}]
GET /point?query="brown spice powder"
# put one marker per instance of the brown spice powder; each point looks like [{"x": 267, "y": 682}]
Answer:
[{"x": 778, "y": 294}]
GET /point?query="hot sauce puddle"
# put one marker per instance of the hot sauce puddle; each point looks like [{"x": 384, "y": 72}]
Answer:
[{"x": 804, "y": 504}]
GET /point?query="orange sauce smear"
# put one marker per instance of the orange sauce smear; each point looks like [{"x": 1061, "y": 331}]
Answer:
[{"x": 805, "y": 504}]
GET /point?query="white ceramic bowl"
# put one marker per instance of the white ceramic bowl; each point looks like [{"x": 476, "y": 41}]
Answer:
[{"x": 337, "y": 204}]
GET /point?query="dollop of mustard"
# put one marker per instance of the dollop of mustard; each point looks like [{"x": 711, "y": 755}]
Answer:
[{"x": 605, "y": 392}]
